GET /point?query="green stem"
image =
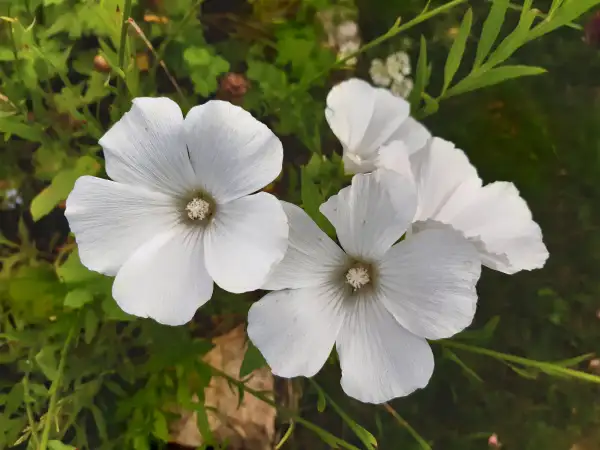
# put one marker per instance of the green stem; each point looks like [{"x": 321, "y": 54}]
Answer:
[
  {"x": 417, "y": 437},
  {"x": 546, "y": 367},
  {"x": 54, "y": 387},
  {"x": 396, "y": 29},
  {"x": 28, "y": 410},
  {"x": 123, "y": 42},
  {"x": 263, "y": 397}
]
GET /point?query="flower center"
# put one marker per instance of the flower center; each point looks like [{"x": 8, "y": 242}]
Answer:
[
  {"x": 358, "y": 277},
  {"x": 198, "y": 209}
]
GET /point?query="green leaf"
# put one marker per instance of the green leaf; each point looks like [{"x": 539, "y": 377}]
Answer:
[
  {"x": 493, "y": 76},
  {"x": 514, "y": 40},
  {"x": 16, "y": 125},
  {"x": 253, "y": 360},
  {"x": 72, "y": 271},
  {"x": 57, "y": 445},
  {"x": 14, "y": 399},
  {"x": 62, "y": 184},
  {"x": 457, "y": 50},
  {"x": 470, "y": 372},
  {"x": 204, "y": 426},
  {"x": 422, "y": 76},
  {"x": 100, "y": 422},
  {"x": 161, "y": 428},
  {"x": 46, "y": 359},
  {"x": 529, "y": 373},
  {"x": 321, "y": 401},
  {"x": 574, "y": 361},
  {"x": 491, "y": 30},
  {"x": 77, "y": 298},
  {"x": 312, "y": 200},
  {"x": 90, "y": 326}
]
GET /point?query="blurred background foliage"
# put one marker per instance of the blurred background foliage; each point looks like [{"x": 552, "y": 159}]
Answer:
[{"x": 75, "y": 369}]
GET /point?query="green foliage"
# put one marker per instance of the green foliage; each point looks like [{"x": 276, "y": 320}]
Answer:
[{"x": 78, "y": 372}]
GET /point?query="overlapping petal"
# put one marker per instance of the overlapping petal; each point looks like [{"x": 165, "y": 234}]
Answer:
[
  {"x": 311, "y": 259},
  {"x": 372, "y": 213},
  {"x": 245, "y": 240},
  {"x": 165, "y": 279},
  {"x": 232, "y": 153},
  {"x": 428, "y": 282},
  {"x": 295, "y": 329},
  {"x": 112, "y": 220},
  {"x": 146, "y": 147}
]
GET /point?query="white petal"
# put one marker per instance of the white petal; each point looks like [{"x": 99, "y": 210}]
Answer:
[
  {"x": 380, "y": 360},
  {"x": 244, "y": 241},
  {"x": 165, "y": 279},
  {"x": 111, "y": 220},
  {"x": 372, "y": 213},
  {"x": 445, "y": 178},
  {"x": 428, "y": 282},
  {"x": 233, "y": 154},
  {"x": 146, "y": 147},
  {"x": 295, "y": 329},
  {"x": 364, "y": 117},
  {"x": 311, "y": 259},
  {"x": 413, "y": 134},
  {"x": 499, "y": 218},
  {"x": 395, "y": 156}
]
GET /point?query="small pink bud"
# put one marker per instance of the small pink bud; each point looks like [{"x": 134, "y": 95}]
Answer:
[
  {"x": 493, "y": 441},
  {"x": 595, "y": 363}
]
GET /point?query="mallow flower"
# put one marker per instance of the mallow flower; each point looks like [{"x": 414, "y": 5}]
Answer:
[
  {"x": 493, "y": 217},
  {"x": 365, "y": 119},
  {"x": 178, "y": 214},
  {"x": 376, "y": 299}
]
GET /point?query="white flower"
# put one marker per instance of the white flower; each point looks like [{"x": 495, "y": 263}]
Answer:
[
  {"x": 379, "y": 74},
  {"x": 348, "y": 48},
  {"x": 377, "y": 301},
  {"x": 347, "y": 31},
  {"x": 402, "y": 87},
  {"x": 365, "y": 118},
  {"x": 178, "y": 214},
  {"x": 494, "y": 217},
  {"x": 398, "y": 65}
]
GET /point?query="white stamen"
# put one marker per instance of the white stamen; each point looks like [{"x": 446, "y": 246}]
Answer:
[
  {"x": 198, "y": 209},
  {"x": 357, "y": 277}
]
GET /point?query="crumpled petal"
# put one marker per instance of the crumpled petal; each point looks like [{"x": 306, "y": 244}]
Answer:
[
  {"x": 500, "y": 219},
  {"x": 363, "y": 118},
  {"x": 246, "y": 238},
  {"x": 146, "y": 147},
  {"x": 232, "y": 153},
  {"x": 311, "y": 259},
  {"x": 428, "y": 282},
  {"x": 112, "y": 220},
  {"x": 380, "y": 359},
  {"x": 165, "y": 279},
  {"x": 295, "y": 329},
  {"x": 372, "y": 213},
  {"x": 494, "y": 217}
]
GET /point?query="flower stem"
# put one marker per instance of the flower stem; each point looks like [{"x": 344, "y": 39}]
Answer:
[
  {"x": 330, "y": 438},
  {"x": 424, "y": 445},
  {"x": 26, "y": 397},
  {"x": 54, "y": 387},
  {"x": 123, "y": 42},
  {"x": 546, "y": 367}
]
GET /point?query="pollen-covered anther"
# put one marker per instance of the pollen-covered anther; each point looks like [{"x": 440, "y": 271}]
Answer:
[
  {"x": 358, "y": 277},
  {"x": 198, "y": 209}
]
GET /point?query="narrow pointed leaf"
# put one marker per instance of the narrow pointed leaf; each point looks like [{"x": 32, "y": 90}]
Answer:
[
  {"x": 457, "y": 50},
  {"x": 491, "y": 30},
  {"x": 493, "y": 76}
]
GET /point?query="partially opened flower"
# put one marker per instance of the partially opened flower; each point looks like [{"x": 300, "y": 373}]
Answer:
[
  {"x": 376, "y": 300},
  {"x": 365, "y": 118},
  {"x": 494, "y": 217},
  {"x": 178, "y": 214}
]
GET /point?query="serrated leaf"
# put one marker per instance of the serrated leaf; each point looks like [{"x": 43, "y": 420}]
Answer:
[
  {"x": 77, "y": 298},
  {"x": 253, "y": 360},
  {"x": 457, "y": 50},
  {"x": 491, "y": 30},
  {"x": 493, "y": 76}
]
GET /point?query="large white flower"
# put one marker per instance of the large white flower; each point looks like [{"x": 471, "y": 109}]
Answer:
[
  {"x": 377, "y": 300},
  {"x": 365, "y": 118},
  {"x": 494, "y": 217},
  {"x": 178, "y": 214}
]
